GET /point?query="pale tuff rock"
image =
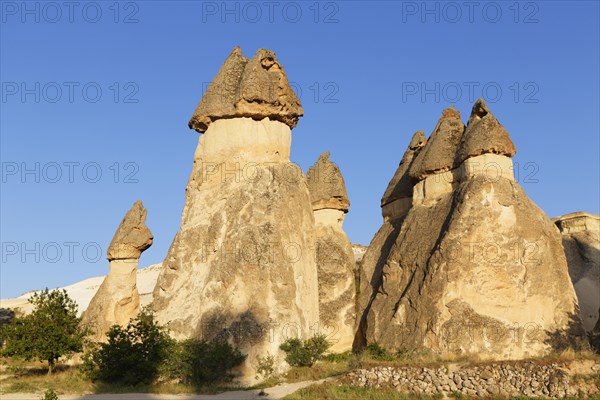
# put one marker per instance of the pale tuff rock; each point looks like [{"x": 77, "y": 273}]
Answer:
[
  {"x": 335, "y": 256},
  {"x": 326, "y": 185},
  {"x": 581, "y": 241},
  {"x": 117, "y": 300},
  {"x": 132, "y": 236},
  {"x": 256, "y": 88},
  {"x": 395, "y": 204},
  {"x": 438, "y": 155},
  {"x": 476, "y": 267},
  {"x": 242, "y": 265},
  {"x": 484, "y": 134}
]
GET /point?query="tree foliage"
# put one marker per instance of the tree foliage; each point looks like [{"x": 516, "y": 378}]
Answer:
[
  {"x": 305, "y": 353},
  {"x": 132, "y": 354},
  {"x": 142, "y": 352},
  {"x": 199, "y": 362},
  {"x": 51, "y": 331}
]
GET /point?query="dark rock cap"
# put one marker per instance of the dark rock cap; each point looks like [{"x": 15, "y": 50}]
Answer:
[
  {"x": 326, "y": 185},
  {"x": 439, "y": 153},
  {"x": 484, "y": 134},
  {"x": 132, "y": 237},
  {"x": 256, "y": 88},
  {"x": 401, "y": 185}
]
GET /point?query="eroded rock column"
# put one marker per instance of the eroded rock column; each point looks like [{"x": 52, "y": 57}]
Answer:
[
  {"x": 117, "y": 300},
  {"x": 335, "y": 257}
]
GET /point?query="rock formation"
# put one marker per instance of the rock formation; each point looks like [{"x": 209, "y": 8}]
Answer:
[
  {"x": 477, "y": 267},
  {"x": 117, "y": 300},
  {"x": 581, "y": 240},
  {"x": 395, "y": 203},
  {"x": 335, "y": 256},
  {"x": 256, "y": 88},
  {"x": 242, "y": 266}
]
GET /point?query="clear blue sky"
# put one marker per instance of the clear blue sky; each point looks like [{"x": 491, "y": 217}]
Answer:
[{"x": 369, "y": 73}]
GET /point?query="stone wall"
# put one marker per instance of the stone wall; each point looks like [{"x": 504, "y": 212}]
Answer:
[{"x": 498, "y": 380}]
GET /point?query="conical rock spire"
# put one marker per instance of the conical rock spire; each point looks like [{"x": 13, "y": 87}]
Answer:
[
  {"x": 484, "y": 134},
  {"x": 401, "y": 185},
  {"x": 326, "y": 185},
  {"x": 438, "y": 154}
]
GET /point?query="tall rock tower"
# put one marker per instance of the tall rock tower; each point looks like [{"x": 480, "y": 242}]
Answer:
[
  {"x": 395, "y": 204},
  {"x": 477, "y": 267},
  {"x": 117, "y": 300},
  {"x": 335, "y": 257},
  {"x": 242, "y": 266},
  {"x": 581, "y": 240}
]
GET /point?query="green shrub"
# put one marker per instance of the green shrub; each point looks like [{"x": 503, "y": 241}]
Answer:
[
  {"x": 305, "y": 354},
  {"x": 132, "y": 354},
  {"x": 50, "y": 394},
  {"x": 266, "y": 367},
  {"x": 200, "y": 362},
  {"x": 379, "y": 353},
  {"x": 339, "y": 357}
]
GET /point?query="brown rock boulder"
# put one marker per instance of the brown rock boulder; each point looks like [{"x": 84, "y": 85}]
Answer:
[
  {"x": 439, "y": 152},
  {"x": 401, "y": 185},
  {"x": 326, "y": 185},
  {"x": 132, "y": 237},
  {"x": 256, "y": 88},
  {"x": 484, "y": 135}
]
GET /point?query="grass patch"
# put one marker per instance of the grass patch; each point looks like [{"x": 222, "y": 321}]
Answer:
[
  {"x": 32, "y": 377},
  {"x": 321, "y": 370},
  {"x": 336, "y": 391}
]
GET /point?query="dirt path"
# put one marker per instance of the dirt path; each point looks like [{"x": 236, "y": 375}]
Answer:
[{"x": 276, "y": 392}]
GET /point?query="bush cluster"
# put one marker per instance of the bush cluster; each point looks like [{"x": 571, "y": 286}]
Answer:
[
  {"x": 197, "y": 362},
  {"x": 142, "y": 352},
  {"x": 305, "y": 353}
]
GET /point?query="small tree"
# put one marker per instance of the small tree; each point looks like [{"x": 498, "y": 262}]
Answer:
[
  {"x": 48, "y": 333},
  {"x": 305, "y": 354},
  {"x": 132, "y": 354}
]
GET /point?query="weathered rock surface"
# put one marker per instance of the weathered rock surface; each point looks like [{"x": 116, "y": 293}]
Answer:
[
  {"x": 395, "y": 204},
  {"x": 401, "y": 185},
  {"x": 242, "y": 266},
  {"x": 335, "y": 256},
  {"x": 439, "y": 154},
  {"x": 477, "y": 267},
  {"x": 484, "y": 135},
  {"x": 256, "y": 88},
  {"x": 326, "y": 185},
  {"x": 581, "y": 241},
  {"x": 132, "y": 236},
  {"x": 117, "y": 300}
]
